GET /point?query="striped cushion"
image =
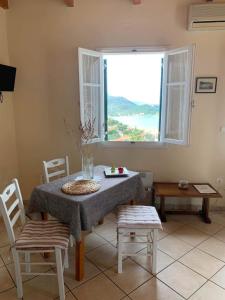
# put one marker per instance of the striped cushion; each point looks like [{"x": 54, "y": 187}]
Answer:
[
  {"x": 138, "y": 216},
  {"x": 43, "y": 235}
]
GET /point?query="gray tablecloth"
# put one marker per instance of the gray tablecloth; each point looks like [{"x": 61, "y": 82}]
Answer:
[{"x": 83, "y": 212}]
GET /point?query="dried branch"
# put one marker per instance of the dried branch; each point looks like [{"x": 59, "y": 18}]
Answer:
[{"x": 87, "y": 131}]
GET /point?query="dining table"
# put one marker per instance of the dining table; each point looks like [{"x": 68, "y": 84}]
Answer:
[{"x": 82, "y": 212}]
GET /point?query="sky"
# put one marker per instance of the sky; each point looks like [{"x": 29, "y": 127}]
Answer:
[{"x": 136, "y": 77}]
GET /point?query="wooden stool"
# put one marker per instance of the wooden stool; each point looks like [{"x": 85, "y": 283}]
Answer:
[{"x": 142, "y": 221}]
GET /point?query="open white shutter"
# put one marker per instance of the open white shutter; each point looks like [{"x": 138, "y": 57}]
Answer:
[
  {"x": 176, "y": 96},
  {"x": 91, "y": 76}
]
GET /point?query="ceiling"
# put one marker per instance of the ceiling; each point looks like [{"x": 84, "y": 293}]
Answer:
[{"x": 5, "y": 4}]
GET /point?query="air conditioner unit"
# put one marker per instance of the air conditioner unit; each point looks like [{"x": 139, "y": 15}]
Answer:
[{"x": 206, "y": 16}]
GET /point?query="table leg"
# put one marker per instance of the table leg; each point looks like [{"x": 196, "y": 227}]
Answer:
[
  {"x": 153, "y": 196},
  {"x": 205, "y": 210},
  {"x": 79, "y": 261},
  {"x": 101, "y": 221},
  {"x": 162, "y": 209},
  {"x": 44, "y": 217}
]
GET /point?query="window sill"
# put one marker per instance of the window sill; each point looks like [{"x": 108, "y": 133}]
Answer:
[{"x": 112, "y": 144}]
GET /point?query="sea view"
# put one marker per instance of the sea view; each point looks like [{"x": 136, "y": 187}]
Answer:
[
  {"x": 128, "y": 121},
  {"x": 140, "y": 121}
]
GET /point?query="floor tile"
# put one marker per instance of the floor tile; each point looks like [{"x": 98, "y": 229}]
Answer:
[
  {"x": 32, "y": 291},
  {"x": 161, "y": 234},
  {"x": 133, "y": 275},
  {"x": 42, "y": 287},
  {"x": 4, "y": 241},
  {"x": 188, "y": 219},
  {"x": 163, "y": 261},
  {"x": 103, "y": 257},
  {"x": 92, "y": 241},
  {"x": 39, "y": 269},
  {"x": 154, "y": 289},
  {"x": 209, "y": 291},
  {"x": 1, "y": 262},
  {"x": 6, "y": 255},
  {"x": 69, "y": 274},
  {"x": 107, "y": 231},
  {"x": 171, "y": 226},
  {"x": 100, "y": 287},
  {"x": 167, "y": 245},
  {"x": 207, "y": 228},
  {"x": 132, "y": 248},
  {"x": 214, "y": 247},
  {"x": 190, "y": 235},
  {"x": 220, "y": 235},
  {"x": 176, "y": 218},
  {"x": 9, "y": 295},
  {"x": 202, "y": 263},
  {"x": 5, "y": 280},
  {"x": 69, "y": 296},
  {"x": 111, "y": 217},
  {"x": 180, "y": 278},
  {"x": 35, "y": 257},
  {"x": 2, "y": 225},
  {"x": 219, "y": 278},
  {"x": 218, "y": 217}
]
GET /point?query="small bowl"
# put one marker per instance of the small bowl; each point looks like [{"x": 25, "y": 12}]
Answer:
[{"x": 183, "y": 184}]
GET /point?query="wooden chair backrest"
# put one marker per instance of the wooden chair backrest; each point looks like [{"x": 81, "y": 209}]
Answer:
[
  {"x": 15, "y": 210},
  {"x": 53, "y": 164}
]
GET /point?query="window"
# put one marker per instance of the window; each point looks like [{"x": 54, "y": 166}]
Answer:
[
  {"x": 133, "y": 94},
  {"x": 137, "y": 97}
]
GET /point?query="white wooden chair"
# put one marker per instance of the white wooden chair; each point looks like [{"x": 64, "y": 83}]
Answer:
[
  {"x": 138, "y": 220},
  {"x": 35, "y": 237},
  {"x": 48, "y": 166}
]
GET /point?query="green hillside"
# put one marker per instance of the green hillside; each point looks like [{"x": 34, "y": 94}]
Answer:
[{"x": 120, "y": 106}]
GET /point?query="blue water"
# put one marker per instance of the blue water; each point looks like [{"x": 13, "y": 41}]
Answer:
[{"x": 144, "y": 122}]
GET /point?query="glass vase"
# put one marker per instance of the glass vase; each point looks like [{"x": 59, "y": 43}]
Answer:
[{"x": 87, "y": 166}]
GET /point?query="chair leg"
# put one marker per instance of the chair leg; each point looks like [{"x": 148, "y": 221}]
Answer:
[
  {"x": 149, "y": 243},
  {"x": 59, "y": 266},
  {"x": 66, "y": 260},
  {"x": 71, "y": 240},
  {"x": 19, "y": 283},
  {"x": 154, "y": 251},
  {"x": 27, "y": 260},
  {"x": 119, "y": 251}
]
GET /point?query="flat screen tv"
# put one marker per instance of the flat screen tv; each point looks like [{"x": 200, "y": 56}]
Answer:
[{"x": 7, "y": 78}]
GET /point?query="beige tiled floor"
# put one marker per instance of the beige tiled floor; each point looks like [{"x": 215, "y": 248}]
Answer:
[{"x": 191, "y": 265}]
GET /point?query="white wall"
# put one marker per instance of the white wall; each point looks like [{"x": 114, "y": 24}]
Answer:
[
  {"x": 8, "y": 153},
  {"x": 43, "y": 40}
]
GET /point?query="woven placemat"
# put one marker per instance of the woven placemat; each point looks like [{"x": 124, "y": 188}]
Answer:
[{"x": 81, "y": 187}]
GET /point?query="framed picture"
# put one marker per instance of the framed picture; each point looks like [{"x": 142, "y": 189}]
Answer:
[{"x": 206, "y": 85}]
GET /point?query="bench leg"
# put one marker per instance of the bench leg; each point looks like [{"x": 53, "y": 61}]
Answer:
[
  {"x": 154, "y": 251},
  {"x": 120, "y": 256}
]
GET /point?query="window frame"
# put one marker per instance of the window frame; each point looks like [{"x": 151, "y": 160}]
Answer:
[
  {"x": 82, "y": 84},
  {"x": 143, "y": 50},
  {"x": 188, "y": 94}
]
